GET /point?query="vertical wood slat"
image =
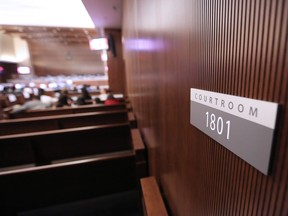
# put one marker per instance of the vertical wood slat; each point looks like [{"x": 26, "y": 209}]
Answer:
[{"x": 237, "y": 47}]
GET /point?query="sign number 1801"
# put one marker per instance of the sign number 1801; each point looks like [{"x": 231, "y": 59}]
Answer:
[{"x": 217, "y": 124}]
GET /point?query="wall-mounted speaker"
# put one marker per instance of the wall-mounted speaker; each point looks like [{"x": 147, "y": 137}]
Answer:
[{"x": 111, "y": 45}]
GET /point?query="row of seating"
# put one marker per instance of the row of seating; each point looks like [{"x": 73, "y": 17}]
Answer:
[
  {"x": 57, "y": 158},
  {"x": 39, "y": 187},
  {"x": 68, "y": 158},
  {"x": 68, "y": 110},
  {"x": 65, "y": 121},
  {"x": 10, "y": 99},
  {"x": 44, "y": 147}
]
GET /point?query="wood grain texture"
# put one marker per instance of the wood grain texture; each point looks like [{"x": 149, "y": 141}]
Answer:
[
  {"x": 116, "y": 66},
  {"x": 234, "y": 47},
  {"x": 153, "y": 202},
  {"x": 60, "y": 59},
  {"x": 75, "y": 58}
]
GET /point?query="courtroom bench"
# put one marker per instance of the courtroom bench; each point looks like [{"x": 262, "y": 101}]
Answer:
[
  {"x": 46, "y": 147},
  {"x": 45, "y": 123},
  {"x": 39, "y": 187},
  {"x": 68, "y": 110}
]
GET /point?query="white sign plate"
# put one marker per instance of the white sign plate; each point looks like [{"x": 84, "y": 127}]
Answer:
[{"x": 244, "y": 126}]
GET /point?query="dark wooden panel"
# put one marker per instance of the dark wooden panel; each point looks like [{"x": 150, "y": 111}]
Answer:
[
  {"x": 235, "y": 47},
  {"x": 43, "y": 186},
  {"x": 115, "y": 63},
  {"x": 8, "y": 71},
  {"x": 14, "y": 127},
  {"x": 65, "y": 143},
  {"x": 69, "y": 110},
  {"x": 64, "y": 59},
  {"x": 54, "y": 122},
  {"x": 16, "y": 153}
]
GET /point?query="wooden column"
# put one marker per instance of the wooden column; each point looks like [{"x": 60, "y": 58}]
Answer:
[{"x": 116, "y": 66}]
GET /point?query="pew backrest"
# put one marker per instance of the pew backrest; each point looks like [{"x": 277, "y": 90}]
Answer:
[
  {"x": 56, "y": 145},
  {"x": 68, "y": 110},
  {"x": 43, "y": 186},
  {"x": 45, "y": 123},
  {"x": 16, "y": 151}
]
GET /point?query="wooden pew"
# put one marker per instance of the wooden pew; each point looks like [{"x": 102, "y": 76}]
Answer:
[
  {"x": 27, "y": 125},
  {"x": 68, "y": 110},
  {"x": 43, "y": 186},
  {"x": 28, "y": 185},
  {"x": 2, "y": 113},
  {"x": 16, "y": 152},
  {"x": 45, "y": 123},
  {"x": 51, "y": 146},
  {"x": 153, "y": 204},
  {"x": 132, "y": 119},
  {"x": 140, "y": 154}
]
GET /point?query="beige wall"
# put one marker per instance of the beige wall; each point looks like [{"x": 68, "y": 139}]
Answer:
[{"x": 7, "y": 49}]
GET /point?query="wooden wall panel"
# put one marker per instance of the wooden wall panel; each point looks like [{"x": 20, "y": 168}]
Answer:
[
  {"x": 236, "y": 47},
  {"x": 8, "y": 71},
  {"x": 60, "y": 59},
  {"x": 77, "y": 59},
  {"x": 116, "y": 67}
]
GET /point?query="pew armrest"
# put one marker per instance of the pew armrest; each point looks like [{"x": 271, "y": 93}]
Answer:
[
  {"x": 138, "y": 144},
  {"x": 140, "y": 153},
  {"x": 153, "y": 204},
  {"x": 132, "y": 119}
]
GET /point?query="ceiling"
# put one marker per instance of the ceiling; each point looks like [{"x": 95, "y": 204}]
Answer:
[
  {"x": 62, "y": 13},
  {"x": 105, "y": 13},
  {"x": 59, "y": 21},
  {"x": 58, "y": 29},
  {"x": 64, "y": 36}
]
